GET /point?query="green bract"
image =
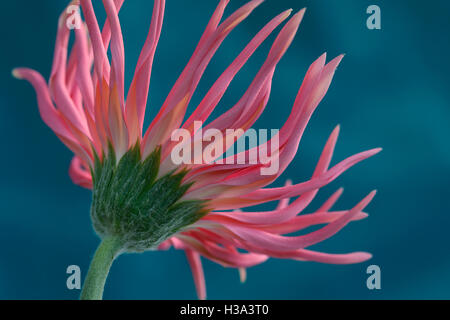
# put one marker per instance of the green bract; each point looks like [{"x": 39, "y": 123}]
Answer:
[{"x": 131, "y": 203}]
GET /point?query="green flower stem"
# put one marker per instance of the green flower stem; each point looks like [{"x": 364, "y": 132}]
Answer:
[{"x": 95, "y": 280}]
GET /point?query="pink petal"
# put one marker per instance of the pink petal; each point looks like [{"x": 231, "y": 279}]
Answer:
[
  {"x": 101, "y": 64},
  {"x": 283, "y": 203},
  {"x": 138, "y": 92},
  {"x": 118, "y": 130},
  {"x": 331, "y": 201},
  {"x": 271, "y": 194},
  {"x": 280, "y": 243},
  {"x": 50, "y": 115},
  {"x": 57, "y": 85},
  {"x": 173, "y": 109},
  {"x": 79, "y": 173},
  {"x": 197, "y": 272},
  {"x": 308, "y": 255},
  {"x": 216, "y": 92}
]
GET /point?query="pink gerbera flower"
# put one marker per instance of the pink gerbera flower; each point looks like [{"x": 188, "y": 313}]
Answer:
[{"x": 141, "y": 199}]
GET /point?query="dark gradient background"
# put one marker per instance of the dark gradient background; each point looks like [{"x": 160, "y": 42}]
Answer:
[{"x": 390, "y": 91}]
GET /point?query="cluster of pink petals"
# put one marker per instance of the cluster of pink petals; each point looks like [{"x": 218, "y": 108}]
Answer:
[{"x": 84, "y": 103}]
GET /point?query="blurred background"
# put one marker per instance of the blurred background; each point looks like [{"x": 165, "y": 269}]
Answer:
[{"x": 391, "y": 91}]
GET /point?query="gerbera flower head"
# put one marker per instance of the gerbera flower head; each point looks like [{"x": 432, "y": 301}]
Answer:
[{"x": 143, "y": 199}]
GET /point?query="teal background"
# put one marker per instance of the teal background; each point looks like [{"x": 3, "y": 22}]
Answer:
[{"x": 391, "y": 91}]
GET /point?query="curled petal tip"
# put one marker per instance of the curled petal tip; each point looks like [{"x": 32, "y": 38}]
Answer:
[
  {"x": 298, "y": 16},
  {"x": 242, "y": 275},
  {"x": 16, "y": 74},
  {"x": 287, "y": 13},
  {"x": 256, "y": 3},
  {"x": 364, "y": 256},
  {"x": 302, "y": 12},
  {"x": 323, "y": 57},
  {"x": 291, "y": 27},
  {"x": 371, "y": 195},
  {"x": 337, "y": 129},
  {"x": 336, "y": 61},
  {"x": 367, "y": 255},
  {"x": 376, "y": 150},
  {"x": 365, "y": 202},
  {"x": 371, "y": 152}
]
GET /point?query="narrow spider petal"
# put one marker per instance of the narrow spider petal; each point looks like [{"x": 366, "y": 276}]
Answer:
[
  {"x": 283, "y": 203},
  {"x": 100, "y": 113},
  {"x": 118, "y": 129},
  {"x": 349, "y": 258},
  {"x": 47, "y": 110},
  {"x": 138, "y": 92},
  {"x": 278, "y": 49},
  {"x": 71, "y": 73},
  {"x": 258, "y": 105},
  {"x": 244, "y": 114},
  {"x": 220, "y": 255},
  {"x": 271, "y": 194},
  {"x": 212, "y": 25},
  {"x": 83, "y": 70},
  {"x": 101, "y": 64},
  {"x": 116, "y": 108},
  {"x": 57, "y": 84},
  {"x": 307, "y": 220},
  {"x": 327, "y": 205},
  {"x": 79, "y": 173},
  {"x": 49, "y": 114},
  {"x": 251, "y": 174},
  {"x": 174, "y": 108},
  {"x": 242, "y": 260},
  {"x": 106, "y": 30},
  {"x": 312, "y": 80},
  {"x": 101, "y": 74},
  {"x": 280, "y": 243},
  {"x": 216, "y": 92},
  {"x": 260, "y": 87},
  {"x": 308, "y": 255},
  {"x": 290, "y": 144},
  {"x": 197, "y": 272},
  {"x": 250, "y": 177},
  {"x": 242, "y": 275},
  {"x": 83, "y": 81},
  {"x": 117, "y": 51},
  {"x": 229, "y": 119},
  {"x": 105, "y": 38}
]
